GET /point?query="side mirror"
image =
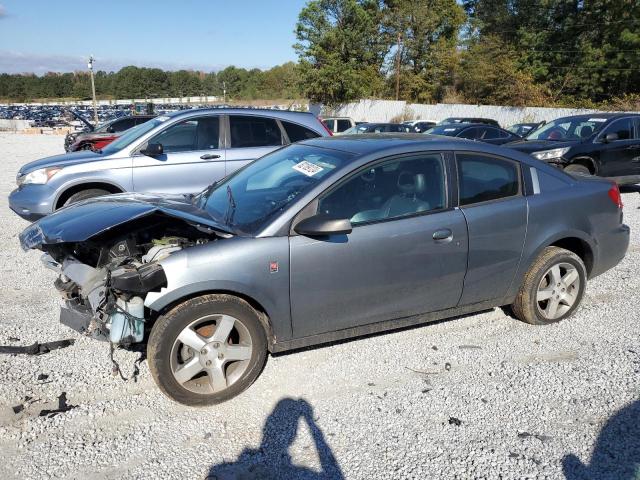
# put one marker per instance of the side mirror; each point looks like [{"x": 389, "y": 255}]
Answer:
[
  {"x": 611, "y": 137},
  {"x": 152, "y": 150},
  {"x": 321, "y": 225}
]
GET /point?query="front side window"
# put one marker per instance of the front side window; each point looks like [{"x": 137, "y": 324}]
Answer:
[
  {"x": 190, "y": 135},
  {"x": 623, "y": 128},
  {"x": 483, "y": 178},
  {"x": 297, "y": 132},
  {"x": 250, "y": 131},
  {"x": 392, "y": 189}
]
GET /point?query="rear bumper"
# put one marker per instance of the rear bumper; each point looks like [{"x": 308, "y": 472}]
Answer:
[
  {"x": 32, "y": 202},
  {"x": 612, "y": 249}
]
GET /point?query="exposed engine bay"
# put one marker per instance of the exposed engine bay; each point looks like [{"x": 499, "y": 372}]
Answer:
[{"x": 104, "y": 280}]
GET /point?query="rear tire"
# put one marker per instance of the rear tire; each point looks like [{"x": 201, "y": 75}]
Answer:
[
  {"x": 207, "y": 349},
  {"x": 85, "y": 195},
  {"x": 552, "y": 289},
  {"x": 577, "y": 168}
]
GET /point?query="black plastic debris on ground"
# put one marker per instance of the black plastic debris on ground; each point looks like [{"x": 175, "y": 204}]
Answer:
[
  {"x": 19, "y": 408},
  {"x": 542, "y": 438},
  {"x": 63, "y": 406},
  {"x": 42, "y": 376},
  {"x": 455, "y": 421},
  {"x": 36, "y": 348}
]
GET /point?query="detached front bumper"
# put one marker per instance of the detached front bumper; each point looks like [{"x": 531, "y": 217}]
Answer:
[
  {"x": 32, "y": 202},
  {"x": 80, "y": 318}
]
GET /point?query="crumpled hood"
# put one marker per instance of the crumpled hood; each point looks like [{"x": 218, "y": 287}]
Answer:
[
  {"x": 81, "y": 221},
  {"x": 537, "y": 145},
  {"x": 63, "y": 160}
]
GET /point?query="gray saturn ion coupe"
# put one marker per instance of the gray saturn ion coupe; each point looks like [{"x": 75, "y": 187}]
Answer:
[{"x": 323, "y": 240}]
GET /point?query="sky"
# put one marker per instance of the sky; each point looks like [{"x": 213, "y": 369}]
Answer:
[{"x": 59, "y": 35}]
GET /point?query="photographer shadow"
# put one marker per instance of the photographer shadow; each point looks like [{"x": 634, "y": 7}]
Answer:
[
  {"x": 272, "y": 460},
  {"x": 616, "y": 455}
]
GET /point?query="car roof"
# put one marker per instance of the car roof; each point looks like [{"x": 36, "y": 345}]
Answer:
[
  {"x": 269, "y": 112},
  {"x": 607, "y": 115},
  {"x": 377, "y": 142}
]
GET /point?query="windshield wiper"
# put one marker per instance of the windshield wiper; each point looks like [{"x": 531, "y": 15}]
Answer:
[{"x": 231, "y": 208}]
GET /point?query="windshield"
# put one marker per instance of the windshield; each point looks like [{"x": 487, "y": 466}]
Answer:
[
  {"x": 132, "y": 134},
  {"x": 443, "y": 130},
  {"x": 568, "y": 128},
  {"x": 252, "y": 197}
]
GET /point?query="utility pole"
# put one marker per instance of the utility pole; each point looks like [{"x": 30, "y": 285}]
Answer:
[
  {"x": 224, "y": 92},
  {"x": 93, "y": 90},
  {"x": 398, "y": 52}
]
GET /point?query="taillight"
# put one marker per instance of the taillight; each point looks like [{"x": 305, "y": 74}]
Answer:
[
  {"x": 324, "y": 125},
  {"x": 614, "y": 195}
]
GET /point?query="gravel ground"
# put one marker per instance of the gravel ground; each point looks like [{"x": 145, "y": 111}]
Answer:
[{"x": 483, "y": 396}]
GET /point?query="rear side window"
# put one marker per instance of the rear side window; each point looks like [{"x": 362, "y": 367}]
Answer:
[
  {"x": 343, "y": 125},
  {"x": 470, "y": 133},
  {"x": 298, "y": 132},
  {"x": 483, "y": 178},
  {"x": 493, "y": 133},
  {"x": 250, "y": 131}
]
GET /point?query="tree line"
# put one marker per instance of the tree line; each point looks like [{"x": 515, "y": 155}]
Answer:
[
  {"x": 583, "y": 53},
  {"x": 279, "y": 82}
]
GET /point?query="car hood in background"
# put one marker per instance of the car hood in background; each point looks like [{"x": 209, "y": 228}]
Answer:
[
  {"x": 530, "y": 146},
  {"x": 81, "y": 221},
  {"x": 82, "y": 119},
  {"x": 63, "y": 160}
]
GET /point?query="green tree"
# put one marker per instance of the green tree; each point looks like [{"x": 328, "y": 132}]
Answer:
[
  {"x": 341, "y": 50},
  {"x": 489, "y": 74},
  {"x": 428, "y": 31}
]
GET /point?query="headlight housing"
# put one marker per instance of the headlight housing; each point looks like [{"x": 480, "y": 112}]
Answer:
[
  {"x": 545, "y": 155},
  {"x": 38, "y": 177}
]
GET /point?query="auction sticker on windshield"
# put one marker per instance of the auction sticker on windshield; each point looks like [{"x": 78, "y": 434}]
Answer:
[{"x": 307, "y": 168}]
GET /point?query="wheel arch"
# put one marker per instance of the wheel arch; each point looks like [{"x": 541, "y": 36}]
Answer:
[
  {"x": 64, "y": 195},
  {"x": 263, "y": 315},
  {"x": 574, "y": 241},
  {"x": 588, "y": 162}
]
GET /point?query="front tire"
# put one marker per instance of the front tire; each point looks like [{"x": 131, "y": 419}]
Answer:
[
  {"x": 85, "y": 195},
  {"x": 577, "y": 168},
  {"x": 207, "y": 349},
  {"x": 552, "y": 288}
]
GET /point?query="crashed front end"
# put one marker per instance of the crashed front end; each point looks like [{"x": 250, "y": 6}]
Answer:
[{"x": 105, "y": 273}]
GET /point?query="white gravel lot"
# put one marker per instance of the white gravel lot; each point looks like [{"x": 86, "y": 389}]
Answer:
[{"x": 483, "y": 396}]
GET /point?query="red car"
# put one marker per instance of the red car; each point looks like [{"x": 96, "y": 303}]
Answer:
[{"x": 104, "y": 134}]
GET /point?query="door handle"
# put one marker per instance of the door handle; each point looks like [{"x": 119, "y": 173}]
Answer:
[
  {"x": 443, "y": 235},
  {"x": 209, "y": 156}
]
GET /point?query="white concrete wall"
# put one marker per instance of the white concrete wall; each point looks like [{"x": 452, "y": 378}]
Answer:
[
  {"x": 385, "y": 110},
  {"x": 14, "y": 125}
]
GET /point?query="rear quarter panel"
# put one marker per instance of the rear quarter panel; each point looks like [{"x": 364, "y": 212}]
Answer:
[{"x": 582, "y": 210}]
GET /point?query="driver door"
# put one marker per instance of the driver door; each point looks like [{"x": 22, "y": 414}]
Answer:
[
  {"x": 193, "y": 157},
  {"x": 622, "y": 156},
  {"x": 406, "y": 255}
]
